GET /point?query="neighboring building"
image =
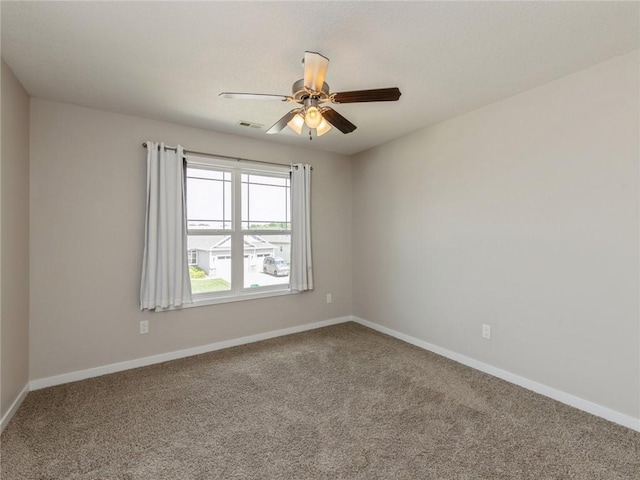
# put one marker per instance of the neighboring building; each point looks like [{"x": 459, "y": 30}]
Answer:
[
  {"x": 212, "y": 253},
  {"x": 282, "y": 244}
]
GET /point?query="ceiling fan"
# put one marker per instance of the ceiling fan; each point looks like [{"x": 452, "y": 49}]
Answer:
[{"x": 312, "y": 93}]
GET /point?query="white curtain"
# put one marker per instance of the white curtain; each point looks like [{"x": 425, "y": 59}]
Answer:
[
  {"x": 301, "y": 265},
  {"x": 165, "y": 268}
]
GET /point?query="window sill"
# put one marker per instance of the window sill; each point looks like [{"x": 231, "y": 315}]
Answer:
[{"x": 201, "y": 302}]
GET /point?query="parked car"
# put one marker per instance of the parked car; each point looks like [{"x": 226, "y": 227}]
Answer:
[{"x": 275, "y": 266}]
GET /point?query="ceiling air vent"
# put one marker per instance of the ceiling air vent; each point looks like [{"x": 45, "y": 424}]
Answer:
[{"x": 244, "y": 123}]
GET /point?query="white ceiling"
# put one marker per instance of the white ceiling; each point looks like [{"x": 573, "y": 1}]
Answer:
[{"x": 169, "y": 60}]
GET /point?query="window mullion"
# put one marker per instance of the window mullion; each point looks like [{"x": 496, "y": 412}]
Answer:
[{"x": 237, "y": 252}]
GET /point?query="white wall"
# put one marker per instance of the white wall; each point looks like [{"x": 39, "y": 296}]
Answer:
[
  {"x": 88, "y": 195},
  {"x": 14, "y": 281},
  {"x": 523, "y": 214}
]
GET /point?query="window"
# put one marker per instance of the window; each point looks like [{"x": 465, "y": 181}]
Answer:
[{"x": 239, "y": 228}]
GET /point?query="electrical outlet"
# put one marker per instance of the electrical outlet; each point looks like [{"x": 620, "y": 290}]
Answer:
[
  {"x": 486, "y": 331},
  {"x": 329, "y": 299},
  {"x": 144, "y": 327}
]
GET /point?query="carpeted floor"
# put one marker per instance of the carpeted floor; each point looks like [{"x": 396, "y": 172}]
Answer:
[{"x": 342, "y": 402}]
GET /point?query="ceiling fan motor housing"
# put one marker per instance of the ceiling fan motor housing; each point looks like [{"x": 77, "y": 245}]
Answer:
[{"x": 300, "y": 93}]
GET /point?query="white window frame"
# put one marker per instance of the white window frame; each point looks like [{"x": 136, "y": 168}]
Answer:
[
  {"x": 189, "y": 253},
  {"x": 238, "y": 291}
]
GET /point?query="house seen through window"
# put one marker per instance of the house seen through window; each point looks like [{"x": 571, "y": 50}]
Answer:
[{"x": 239, "y": 229}]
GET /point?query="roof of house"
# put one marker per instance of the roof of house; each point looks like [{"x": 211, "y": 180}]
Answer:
[{"x": 208, "y": 242}]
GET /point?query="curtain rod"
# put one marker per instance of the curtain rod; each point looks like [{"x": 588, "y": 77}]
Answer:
[{"x": 205, "y": 154}]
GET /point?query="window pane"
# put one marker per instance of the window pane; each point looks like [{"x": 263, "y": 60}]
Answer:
[
  {"x": 265, "y": 203},
  {"x": 265, "y": 180},
  {"x": 266, "y": 260},
  {"x": 208, "y": 199},
  {"x": 212, "y": 270}
]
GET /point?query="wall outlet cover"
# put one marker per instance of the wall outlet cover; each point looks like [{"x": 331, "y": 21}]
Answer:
[
  {"x": 486, "y": 331},
  {"x": 144, "y": 327}
]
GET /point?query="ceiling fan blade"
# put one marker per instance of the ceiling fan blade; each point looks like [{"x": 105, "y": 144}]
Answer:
[
  {"x": 253, "y": 96},
  {"x": 280, "y": 124},
  {"x": 376, "y": 95},
  {"x": 315, "y": 69},
  {"x": 337, "y": 120}
]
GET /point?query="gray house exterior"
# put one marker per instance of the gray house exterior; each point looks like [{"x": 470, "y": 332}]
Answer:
[{"x": 212, "y": 253}]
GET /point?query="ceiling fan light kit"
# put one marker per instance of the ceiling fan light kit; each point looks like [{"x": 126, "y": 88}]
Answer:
[{"x": 312, "y": 92}]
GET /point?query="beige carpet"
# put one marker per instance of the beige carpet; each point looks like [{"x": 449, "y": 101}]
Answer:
[{"x": 343, "y": 402}]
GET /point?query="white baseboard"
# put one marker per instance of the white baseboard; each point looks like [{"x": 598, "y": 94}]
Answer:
[
  {"x": 165, "y": 357},
  {"x": 14, "y": 407},
  {"x": 563, "y": 397}
]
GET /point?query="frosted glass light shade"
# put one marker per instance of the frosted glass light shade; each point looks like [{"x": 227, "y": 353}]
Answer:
[
  {"x": 296, "y": 124},
  {"x": 312, "y": 117},
  {"x": 323, "y": 128}
]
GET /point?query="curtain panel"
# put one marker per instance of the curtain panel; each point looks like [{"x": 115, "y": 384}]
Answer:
[
  {"x": 301, "y": 275},
  {"x": 165, "y": 267}
]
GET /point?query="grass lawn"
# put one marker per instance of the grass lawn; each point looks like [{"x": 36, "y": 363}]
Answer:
[{"x": 200, "y": 285}]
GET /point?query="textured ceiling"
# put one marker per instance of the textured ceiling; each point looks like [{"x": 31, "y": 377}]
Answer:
[{"x": 169, "y": 60}]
